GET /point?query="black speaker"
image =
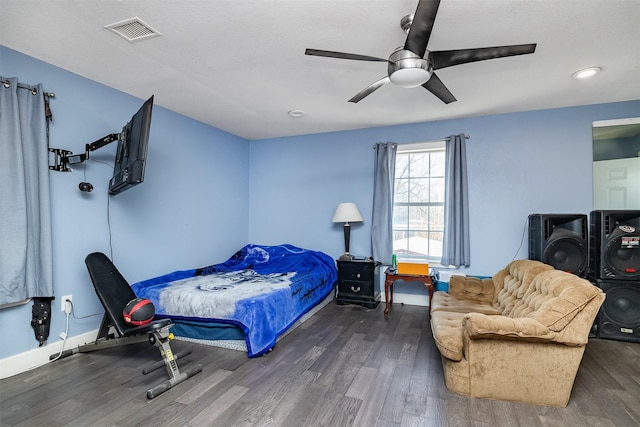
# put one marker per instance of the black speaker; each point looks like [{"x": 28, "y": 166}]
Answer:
[
  {"x": 615, "y": 245},
  {"x": 560, "y": 240},
  {"x": 619, "y": 316}
]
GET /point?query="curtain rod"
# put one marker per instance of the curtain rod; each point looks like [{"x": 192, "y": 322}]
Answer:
[
  {"x": 435, "y": 140},
  {"x": 33, "y": 90},
  {"x": 448, "y": 138}
]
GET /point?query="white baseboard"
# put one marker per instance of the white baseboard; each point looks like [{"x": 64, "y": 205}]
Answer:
[
  {"x": 409, "y": 299},
  {"x": 16, "y": 364}
]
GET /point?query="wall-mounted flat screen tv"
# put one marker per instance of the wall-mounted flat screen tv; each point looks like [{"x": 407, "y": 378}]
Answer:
[{"x": 131, "y": 155}]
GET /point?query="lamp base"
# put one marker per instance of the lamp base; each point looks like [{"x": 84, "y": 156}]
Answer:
[{"x": 346, "y": 257}]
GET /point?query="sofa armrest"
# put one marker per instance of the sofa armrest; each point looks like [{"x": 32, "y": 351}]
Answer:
[
  {"x": 472, "y": 288},
  {"x": 481, "y": 326}
]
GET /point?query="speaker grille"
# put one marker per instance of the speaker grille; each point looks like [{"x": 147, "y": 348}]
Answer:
[
  {"x": 565, "y": 251},
  {"x": 615, "y": 245},
  {"x": 621, "y": 254},
  {"x": 619, "y": 316},
  {"x": 622, "y": 305},
  {"x": 560, "y": 240}
]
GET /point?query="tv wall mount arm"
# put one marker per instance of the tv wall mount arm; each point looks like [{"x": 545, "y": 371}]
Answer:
[{"x": 63, "y": 158}]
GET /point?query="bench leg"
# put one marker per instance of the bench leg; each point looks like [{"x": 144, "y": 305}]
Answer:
[{"x": 161, "y": 339}]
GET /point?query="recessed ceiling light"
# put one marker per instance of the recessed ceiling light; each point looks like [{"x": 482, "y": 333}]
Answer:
[
  {"x": 296, "y": 113},
  {"x": 586, "y": 73}
]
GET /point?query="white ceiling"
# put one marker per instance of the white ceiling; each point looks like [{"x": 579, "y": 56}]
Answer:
[{"x": 239, "y": 65}]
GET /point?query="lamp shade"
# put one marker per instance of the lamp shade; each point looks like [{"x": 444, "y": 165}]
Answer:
[{"x": 347, "y": 212}]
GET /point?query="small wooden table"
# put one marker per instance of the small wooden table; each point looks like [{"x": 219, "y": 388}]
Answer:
[{"x": 392, "y": 275}]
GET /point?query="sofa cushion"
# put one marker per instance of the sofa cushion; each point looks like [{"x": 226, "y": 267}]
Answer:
[
  {"x": 557, "y": 298},
  {"x": 472, "y": 289},
  {"x": 516, "y": 283},
  {"x": 447, "y": 333},
  {"x": 443, "y": 301}
]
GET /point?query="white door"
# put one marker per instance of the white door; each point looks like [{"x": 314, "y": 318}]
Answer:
[{"x": 616, "y": 184}]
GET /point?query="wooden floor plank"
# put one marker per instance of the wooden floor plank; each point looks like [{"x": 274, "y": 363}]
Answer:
[
  {"x": 396, "y": 399},
  {"x": 372, "y": 404},
  {"x": 409, "y": 347},
  {"x": 344, "y": 413},
  {"x": 204, "y": 386},
  {"x": 209, "y": 415},
  {"x": 290, "y": 399},
  {"x": 347, "y": 365},
  {"x": 309, "y": 406},
  {"x": 362, "y": 383}
]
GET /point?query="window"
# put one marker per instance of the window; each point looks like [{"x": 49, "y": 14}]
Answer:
[{"x": 418, "y": 200}]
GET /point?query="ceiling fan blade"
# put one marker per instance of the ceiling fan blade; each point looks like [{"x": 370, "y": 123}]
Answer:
[
  {"x": 342, "y": 55},
  {"x": 370, "y": 89},
  {"x": 420, "y": 29},
  {"x": 436, "y": 87},
  {"x": 447, "y": 58}
]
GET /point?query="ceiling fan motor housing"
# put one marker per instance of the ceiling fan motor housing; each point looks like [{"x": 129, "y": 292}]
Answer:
[
  {"x": 412, "y": 64},
  {"x": 406, "y": 69}
]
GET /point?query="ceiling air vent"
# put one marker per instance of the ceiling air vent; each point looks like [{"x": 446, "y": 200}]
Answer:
[{"x": 133, "y": 29}]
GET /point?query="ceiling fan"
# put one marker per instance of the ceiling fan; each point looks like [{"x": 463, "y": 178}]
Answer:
[{"x": 413, "y": 65}]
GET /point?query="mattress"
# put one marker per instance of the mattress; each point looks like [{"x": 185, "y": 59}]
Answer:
[{"x": 257, "y": 294}]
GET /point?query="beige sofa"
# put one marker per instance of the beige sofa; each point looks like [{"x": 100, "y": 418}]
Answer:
[{"x": 517, "y": 336}]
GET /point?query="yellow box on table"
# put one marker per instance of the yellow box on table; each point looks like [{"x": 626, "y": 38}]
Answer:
[{"x": 416, "y": 267}]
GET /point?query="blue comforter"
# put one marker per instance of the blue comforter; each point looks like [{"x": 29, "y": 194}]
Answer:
[{"x": 261, "y": 289}]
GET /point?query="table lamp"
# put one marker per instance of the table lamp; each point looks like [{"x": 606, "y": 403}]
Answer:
[{"x": 347, "y": 212}]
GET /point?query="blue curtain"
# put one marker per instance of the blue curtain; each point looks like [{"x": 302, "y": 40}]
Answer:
[
  {"x": 456, "y": 248},
  {"x": 382, "y": 221},
  {"x": 26, "y": 267}
]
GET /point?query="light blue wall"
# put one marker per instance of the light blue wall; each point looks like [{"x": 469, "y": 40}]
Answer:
[
  {"x": 207, "y": 193},
  {"x": 518, "y": 164},
  {"x": 191, "y": 210}
]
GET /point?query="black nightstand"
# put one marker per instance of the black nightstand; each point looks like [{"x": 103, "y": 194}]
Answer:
[{"x": 356, "y": 282}]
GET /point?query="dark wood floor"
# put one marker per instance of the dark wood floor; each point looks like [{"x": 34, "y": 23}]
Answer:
[{"x": 344, "y": 366}]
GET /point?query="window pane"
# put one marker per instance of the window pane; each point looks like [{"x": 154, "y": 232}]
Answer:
[
  {"x": 419, "y": 190},
  {"x": 436, "y": 218},
  {"x": 418, "y": 244},
  {"x": 435, "y": 244},
  {"x": 400, "y": 242},
  {"x": 402, "y": 166},
  {"x": 400, "y": 217},
  {"x": 401, "y": 191},
  {"x": 418, "y": 215},
  {"x": 437, "y": 163},
  {"x": 419, "y": 164},
  {"x": 437, "y": 190},
  {"x": 418, "y": 218}
]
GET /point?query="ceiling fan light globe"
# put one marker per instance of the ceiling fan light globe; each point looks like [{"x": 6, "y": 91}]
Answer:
[
  {"x": 410, "y": 77},
  {"x": 406, "y": 69}
]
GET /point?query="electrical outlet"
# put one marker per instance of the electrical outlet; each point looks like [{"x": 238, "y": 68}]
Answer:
[{"x": 63, "y": 303}]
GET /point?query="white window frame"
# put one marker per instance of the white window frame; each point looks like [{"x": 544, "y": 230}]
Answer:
[{"x": 439, "y": 145}]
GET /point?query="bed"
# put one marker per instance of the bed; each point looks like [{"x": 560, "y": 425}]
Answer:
[{"x": 256, "y": 295}]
